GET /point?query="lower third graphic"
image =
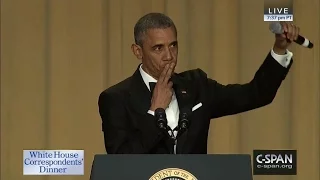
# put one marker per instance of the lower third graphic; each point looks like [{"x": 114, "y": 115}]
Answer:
[{"x": 53, "y": 162}]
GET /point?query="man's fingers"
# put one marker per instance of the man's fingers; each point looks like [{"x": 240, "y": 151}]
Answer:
[
  {"x": 170, "y": 84},
  {"x": 289, "y": 33},
  {"x": 169, "y": 73},
  {"x": 163, "y": 73},
  {"x": 293, "y": 32},
  {"x": 285, "y": 27},
  {"x": 297, "y": 33}
]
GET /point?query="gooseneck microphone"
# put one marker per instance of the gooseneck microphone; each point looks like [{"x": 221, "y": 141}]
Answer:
[
  {"x": 162, "y": 123},
  {"x": 161, "y": 118},
  {"x": 184, "y": 121},
  {"x": 276, "y": 28}
]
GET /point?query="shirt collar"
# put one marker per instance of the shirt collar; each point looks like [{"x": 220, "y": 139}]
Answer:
[{"x": 146, "y": 77}]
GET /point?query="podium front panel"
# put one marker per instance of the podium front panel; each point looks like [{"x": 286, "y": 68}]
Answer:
[{"x": 171, "y": 167}]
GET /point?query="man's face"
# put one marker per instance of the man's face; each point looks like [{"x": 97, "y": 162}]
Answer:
[{"x": 160, "y": 47}]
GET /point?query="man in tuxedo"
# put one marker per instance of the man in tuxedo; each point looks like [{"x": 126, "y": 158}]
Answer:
[{"x": 127, "y": 109}]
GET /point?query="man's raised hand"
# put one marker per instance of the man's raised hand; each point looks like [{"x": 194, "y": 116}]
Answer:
[{"x": 163, "y": 91}]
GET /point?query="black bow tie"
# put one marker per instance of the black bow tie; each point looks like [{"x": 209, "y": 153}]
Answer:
[{"x": 152, "y": 85}]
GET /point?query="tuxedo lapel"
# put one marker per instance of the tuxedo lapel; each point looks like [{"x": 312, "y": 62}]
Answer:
[
  {"x": 184, "y": 92},
  {"x": 140, "y": 96}
]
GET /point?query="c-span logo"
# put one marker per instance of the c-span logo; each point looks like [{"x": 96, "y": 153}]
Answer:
[
  {"x": 173, "y": 173},
  {"x": 275, "y": 162}
]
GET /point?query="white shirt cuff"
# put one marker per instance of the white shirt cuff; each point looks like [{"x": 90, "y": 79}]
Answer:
[
  {"x": 284, "y": 60},
  {"x": 151, "y": 112}
]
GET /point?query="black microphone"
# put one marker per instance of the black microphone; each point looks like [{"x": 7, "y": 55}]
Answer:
[
  {"x": 184, "y": 120},
  {"x": 277, "y": 28},
  {"x": 161, "y": 118}
]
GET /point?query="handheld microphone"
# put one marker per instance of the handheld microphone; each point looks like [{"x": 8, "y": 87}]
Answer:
[
  {"x": 276, "y": 27},
  {"x": 161, "y": 118}
]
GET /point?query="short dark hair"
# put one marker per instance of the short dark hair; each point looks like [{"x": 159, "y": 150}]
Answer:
[{"x": 151, "y": 21}]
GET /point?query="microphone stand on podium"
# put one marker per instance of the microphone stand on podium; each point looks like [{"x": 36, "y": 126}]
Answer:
[{"x": 162, "y": 123}]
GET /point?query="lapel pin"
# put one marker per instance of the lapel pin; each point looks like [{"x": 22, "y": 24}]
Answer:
[{"x": 184, "y": 92}]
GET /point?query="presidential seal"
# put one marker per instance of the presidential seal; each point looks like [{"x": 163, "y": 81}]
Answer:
[{"x": 173, "y": 174}]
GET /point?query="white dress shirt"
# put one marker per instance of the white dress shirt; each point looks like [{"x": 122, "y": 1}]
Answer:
[{"x": 172, "y": 112}]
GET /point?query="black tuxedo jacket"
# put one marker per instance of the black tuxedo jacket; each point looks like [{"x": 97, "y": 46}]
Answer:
[{"x": 129, "y": 129}]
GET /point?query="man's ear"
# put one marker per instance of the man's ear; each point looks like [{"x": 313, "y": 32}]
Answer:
[{"x": 137, "y": 51}]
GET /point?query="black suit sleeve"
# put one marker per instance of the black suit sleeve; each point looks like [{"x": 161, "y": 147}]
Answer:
[
  {"x": 119, "y": 135},
  {"x": 260, "y": 91}
]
